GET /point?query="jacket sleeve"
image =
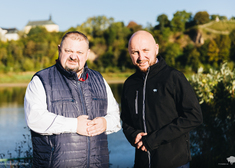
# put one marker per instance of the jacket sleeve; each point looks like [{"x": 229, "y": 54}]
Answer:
[
  {"x": 190, "y": 115},
  {"x": 128, "y": 128}
]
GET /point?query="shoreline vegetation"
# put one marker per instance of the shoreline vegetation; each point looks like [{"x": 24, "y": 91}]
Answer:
[{"x": 22, "y": 79}]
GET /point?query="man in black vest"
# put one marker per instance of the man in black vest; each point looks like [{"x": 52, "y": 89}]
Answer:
[
  {"x": 70, "y": 109},
  {"x": 159, "y": 108}
]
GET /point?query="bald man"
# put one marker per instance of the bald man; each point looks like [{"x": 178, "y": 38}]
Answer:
[{"x": 159, "y": 108}]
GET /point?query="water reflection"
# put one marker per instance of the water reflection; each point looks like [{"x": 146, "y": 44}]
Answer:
[{"x": 12, "y": 96}]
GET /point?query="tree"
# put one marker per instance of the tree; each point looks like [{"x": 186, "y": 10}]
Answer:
[
  {"x": 201, "y": 17},
  {"x": 179, "y": 20},
  {"x": 30, "y": 48},
  {"x": 213, "y": 17},
  {"x": 133, "y": 26},
  {"x": 223, "y": 43},
  {"x": 95, "y": 26},
  {"x": 212, "y": 52},
  {"x": 203, "y": 49},
  {"x": 173, "y": 50},
  {"x": 232, "y": 18},
  {"x": 213, "y": 141},
  {"x": 232, "y": 49},
  {"x": 194, "y": 59},
  {"x": 223, "y": 18},
  {"x": 163, "y": 21}
]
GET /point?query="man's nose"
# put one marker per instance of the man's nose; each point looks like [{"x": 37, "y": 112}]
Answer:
[
  {"x": 73, "y": 56},
  {"x": 141, "y": 55}
]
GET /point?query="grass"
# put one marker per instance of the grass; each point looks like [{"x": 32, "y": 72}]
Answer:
[
  {"x": 223, "y": 26},
  {"x": 25, "y": 77},
  {"x": 18, "y": 77}
]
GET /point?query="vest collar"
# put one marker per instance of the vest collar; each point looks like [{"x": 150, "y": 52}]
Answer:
[{"x": 70, "y": 74}]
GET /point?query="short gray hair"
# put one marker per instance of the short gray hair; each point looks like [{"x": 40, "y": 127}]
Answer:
[{"x": 75, "y": 35}]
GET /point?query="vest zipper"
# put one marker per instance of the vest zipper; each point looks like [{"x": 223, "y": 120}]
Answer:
[
  {"x": 144, "y": 121},
  {"x": 51, "y": 154},
  {"x": 85, "y": 113}
]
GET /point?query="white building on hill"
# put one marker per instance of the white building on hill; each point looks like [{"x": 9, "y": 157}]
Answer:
[
  {"x": 8, "y": 34},
  {"x": 48, "y": 24}
]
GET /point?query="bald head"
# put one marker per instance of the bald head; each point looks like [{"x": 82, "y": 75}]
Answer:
[
  {"x": 140, "y": 35},
  {"x": 143, "y": 50}
]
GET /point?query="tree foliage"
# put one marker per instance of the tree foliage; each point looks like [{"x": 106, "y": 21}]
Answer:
[
  {"x": 201, "y": 17},
  {"x": 213, "y": 142},
  {"x": 163, "y": 21},
  {"x": 179, "y": 20},
  {"x": 109, "y": 40}
]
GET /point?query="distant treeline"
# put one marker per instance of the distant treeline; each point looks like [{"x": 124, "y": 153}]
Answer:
[{"x": 183, "y": 44}]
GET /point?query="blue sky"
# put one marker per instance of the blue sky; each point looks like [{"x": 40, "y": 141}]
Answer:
[{"x": 70, "y": 13}]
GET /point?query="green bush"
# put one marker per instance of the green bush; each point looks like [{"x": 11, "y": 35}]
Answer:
[{"x": 213, "y": 141}]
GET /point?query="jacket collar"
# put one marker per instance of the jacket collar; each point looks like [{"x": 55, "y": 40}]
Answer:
[{"x": 154, "y": 69}]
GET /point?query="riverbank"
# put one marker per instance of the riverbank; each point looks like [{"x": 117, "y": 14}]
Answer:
[{"x": 21, "y": 79}]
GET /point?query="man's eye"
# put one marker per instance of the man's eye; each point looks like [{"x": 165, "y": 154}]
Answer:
[
  {"x": 146, "y": 50},
  {"x": 134, "y": 52},
  {"x": 68, "y": 51}
]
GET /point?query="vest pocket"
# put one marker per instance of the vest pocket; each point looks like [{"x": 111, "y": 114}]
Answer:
[
  {"x": 66, "y": 107},
  {"x": 97, "y": 98},
  {"x": 63, "y": 100},
  {"x": 136, "y": 102}
]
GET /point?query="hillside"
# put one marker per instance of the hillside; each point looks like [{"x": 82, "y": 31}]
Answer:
[{"x": 213, "y": 28}]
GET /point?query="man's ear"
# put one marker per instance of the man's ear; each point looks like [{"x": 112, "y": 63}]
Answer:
[
  {"x": 88, "y": 52},
  {"x": 157, "y": 49},
  {"x": 59, "y": 48}
]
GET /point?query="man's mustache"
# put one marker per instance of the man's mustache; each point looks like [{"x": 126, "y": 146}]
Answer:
[{"x": 71, "y": 59}]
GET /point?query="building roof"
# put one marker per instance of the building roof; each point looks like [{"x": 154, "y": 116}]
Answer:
[
  {"x": 40, "y": 23},
  {"x": 10, "y": 30}
]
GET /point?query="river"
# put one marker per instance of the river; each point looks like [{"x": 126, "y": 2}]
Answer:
[{"x": 15, "y": 136}]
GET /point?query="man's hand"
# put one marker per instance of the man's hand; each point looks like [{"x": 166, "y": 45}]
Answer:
[
  {"x": 139, "y": 142},
  {"x": 96, "y": 126},
  {"x": 82, "y": 125}
]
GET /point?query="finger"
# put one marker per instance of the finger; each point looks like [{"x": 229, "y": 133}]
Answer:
[
  {"x": 91, "y": 128},
  {"x": 139, "y": 145},
  {"x": 92, "y": 122},
  {"x": 84, "y": 116},
  {"x": 143, "y": 134},
  {"x": 138, "y": 138},
  {"x": 143, "y": 148}
]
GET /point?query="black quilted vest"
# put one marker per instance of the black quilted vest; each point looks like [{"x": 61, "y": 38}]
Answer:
[{"x": 69, "y": 97}]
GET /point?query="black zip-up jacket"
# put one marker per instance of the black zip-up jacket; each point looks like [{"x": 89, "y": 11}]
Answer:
[{"x": 163, "y": 104}]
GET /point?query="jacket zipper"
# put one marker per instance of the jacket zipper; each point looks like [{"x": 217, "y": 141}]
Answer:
[
  {"x": 144, "y": 121},
  {"x": 136, "y": 102},
  {"x": 85, "y": 113}
]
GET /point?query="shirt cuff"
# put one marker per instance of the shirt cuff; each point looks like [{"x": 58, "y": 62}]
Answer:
[
  {"x": 69, "y": 125},
  {"x": 111, "y": 125}
]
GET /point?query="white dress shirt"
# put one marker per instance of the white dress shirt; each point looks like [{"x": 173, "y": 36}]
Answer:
[{"x": 40, "y": 120}]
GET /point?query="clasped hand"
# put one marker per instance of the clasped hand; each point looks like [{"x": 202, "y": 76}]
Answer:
[
  {"x": 139, "y": 143},
  {"x": 91, "y": 127}
]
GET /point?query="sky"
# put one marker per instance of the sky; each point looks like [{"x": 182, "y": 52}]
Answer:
[{"x": 70, "y": 13}]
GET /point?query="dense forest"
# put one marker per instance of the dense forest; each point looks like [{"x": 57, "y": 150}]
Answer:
[{"x": 186, "y": 42}]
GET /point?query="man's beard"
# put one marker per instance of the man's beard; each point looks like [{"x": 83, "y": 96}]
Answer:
[
  {"x": 76, "y": 69},
  {"x": 144, "y": 70}
]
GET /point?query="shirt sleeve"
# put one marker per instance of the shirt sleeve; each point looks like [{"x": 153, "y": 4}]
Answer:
[
  {"x": 38, "y": 118},
  {"x": 113, "y": 112}
]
